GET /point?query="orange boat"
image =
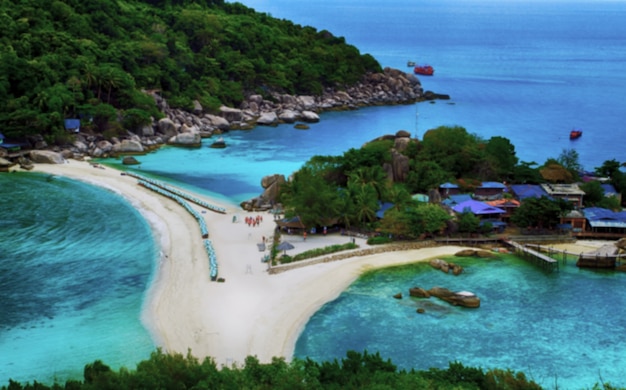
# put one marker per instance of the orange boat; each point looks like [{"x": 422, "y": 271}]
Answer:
[
  {"x": 575, "y": 134},
  {"x": 425, "y": 70}
]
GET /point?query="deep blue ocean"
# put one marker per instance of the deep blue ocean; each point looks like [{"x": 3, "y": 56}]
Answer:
[{"x": 74, "y": 273}]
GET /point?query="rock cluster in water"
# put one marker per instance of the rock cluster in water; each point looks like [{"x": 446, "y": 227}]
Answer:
[{"x": 460, "y": 298}]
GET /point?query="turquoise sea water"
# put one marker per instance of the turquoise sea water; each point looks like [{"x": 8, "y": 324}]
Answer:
[
  {"x": 526, "y": 70},
  {"x": 558, "y": 328},
  {"x": 71, "y": 281}
]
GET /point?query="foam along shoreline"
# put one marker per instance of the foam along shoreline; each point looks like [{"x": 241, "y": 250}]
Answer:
[{"x": 252, "y": 313}]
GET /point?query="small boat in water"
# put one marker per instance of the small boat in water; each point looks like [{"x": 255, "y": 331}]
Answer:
[
  {"x": 410, "y": 64},
  {"x": 575, "y": 134},
  {"x": 424, "y": 70}
]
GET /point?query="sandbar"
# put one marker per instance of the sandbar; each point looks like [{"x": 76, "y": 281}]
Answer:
[{"x": 252, "y": 313}]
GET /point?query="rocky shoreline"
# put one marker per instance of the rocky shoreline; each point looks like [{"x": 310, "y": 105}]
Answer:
[{"x": 187, "y": 129}]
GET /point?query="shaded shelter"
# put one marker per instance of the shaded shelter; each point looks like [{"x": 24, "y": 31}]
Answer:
[
  {"x": 285, "y": 246},
  {"x": 290, "y": 223}
]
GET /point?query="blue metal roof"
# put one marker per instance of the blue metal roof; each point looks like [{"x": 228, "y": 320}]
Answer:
[
  {"x": 382, "y": 208},
  {"x": 477, "y": 208},
  {"x": 523, "y": 191},
  {"x": 608, "y": 189},
  {"x": 492, "y": 184},
  {"x": 448, "y": 185},
  {"x": 453, "y": 200}
]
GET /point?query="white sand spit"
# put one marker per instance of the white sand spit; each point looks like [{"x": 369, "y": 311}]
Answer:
[{"x": 252, "y": 312}]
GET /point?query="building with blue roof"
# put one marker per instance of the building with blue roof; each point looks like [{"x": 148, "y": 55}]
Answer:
[
  {"x": 448, "y": 189},
  {"x": 524, "y": 191},
  {"x": 605, "y": 221}
]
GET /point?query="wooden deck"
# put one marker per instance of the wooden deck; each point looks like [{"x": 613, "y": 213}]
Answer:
[
  {"x": 586, "y": 260},
  {"x": 538, "y": 258}
]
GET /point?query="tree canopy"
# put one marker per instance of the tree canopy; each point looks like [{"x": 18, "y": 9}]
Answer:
[
  {"x": 355, "y": 371},
  {"x": 63, "y": 59}
]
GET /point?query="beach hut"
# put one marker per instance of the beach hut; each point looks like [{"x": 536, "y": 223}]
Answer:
[
  {"x": 72, "y": 125},
  {"x": 289, "y": 224}
]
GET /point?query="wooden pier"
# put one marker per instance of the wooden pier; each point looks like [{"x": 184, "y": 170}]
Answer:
[
  {"x": 587, "y": 260},
  {"x": 546, "y": 262}
]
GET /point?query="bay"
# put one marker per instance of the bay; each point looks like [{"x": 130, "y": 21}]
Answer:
[{"x": 526, "y": 70}]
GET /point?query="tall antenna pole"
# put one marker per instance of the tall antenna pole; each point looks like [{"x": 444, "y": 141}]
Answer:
[{"x": 417, "y": 115}]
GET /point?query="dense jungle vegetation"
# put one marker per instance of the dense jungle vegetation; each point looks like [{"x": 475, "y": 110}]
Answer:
[
  {"x": 348, "y": 190},
  {"x": 356, "y": 371},
  {"x": 92, "y": 59}
]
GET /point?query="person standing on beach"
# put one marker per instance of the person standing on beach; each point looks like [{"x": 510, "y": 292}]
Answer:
[{"x": 304, "y": 236}]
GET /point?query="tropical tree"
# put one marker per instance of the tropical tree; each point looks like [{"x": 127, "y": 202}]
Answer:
[
  {"x": 311, "y": 198},
  {"x": 570, "y": 160},
  {"x": 453, "y": 148},
  {"x": 541, "y": 212},
  {"x": 468, "y": 222},
  {"x": 501, "y": 153},
  {"x": 426, "y": 175},
  {"x": 594, "y": 192}
]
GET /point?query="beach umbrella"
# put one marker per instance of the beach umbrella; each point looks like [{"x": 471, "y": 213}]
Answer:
[{"x": 285, "y": 246}]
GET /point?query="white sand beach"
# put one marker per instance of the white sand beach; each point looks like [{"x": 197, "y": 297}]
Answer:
[{"x": 252, "y": 312}]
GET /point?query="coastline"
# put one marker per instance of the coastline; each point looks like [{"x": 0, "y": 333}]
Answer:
[{"x": 252, "y": 312}]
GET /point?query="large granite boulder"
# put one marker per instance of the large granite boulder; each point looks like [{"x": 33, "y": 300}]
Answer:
[
  {"x": 418, "y": 292},
  {"x": 440, "y": 265},
  {"x": 268, "y": 119},
  {"x": 271, "y": 185},
  {"x": 130, "y": 160},
  {"x": 446, "y": 267},
  {"x": 231, "y": 114},
  {"x": 167, "y": 127},
  {"x": 218, "y": 122},
  {"x": 197, "y": 108},
  {"x": 128, "y": 146},
  {"x": 461, "y": 298},
  {"x": 105, "y": 146},
  {"x": 289, "y": 116},
  {"x": 186, "y": 139},
  {"x": 475, "y": 253},
  {"x": 400, "y": 166},
  {"x": 307, "y": 102},
  {"x": 310, "y": 117},
  {"x": 81, "y": 146},
  {"x": 5, "y": 164},
  {"x": 46, "y": 157}
]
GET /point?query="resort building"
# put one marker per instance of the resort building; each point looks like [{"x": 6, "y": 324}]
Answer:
[{"x": 570, "y": 192}]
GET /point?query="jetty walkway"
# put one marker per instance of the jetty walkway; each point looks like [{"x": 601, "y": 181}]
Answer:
[
  {"x": 585, "y": 260},
  {"x": 538, "y": 258}
]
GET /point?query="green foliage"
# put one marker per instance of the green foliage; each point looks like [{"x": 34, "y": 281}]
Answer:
[
  {"x": 68, "y": 54},
  {"x": 379, "y": 240},
  {"x": 540, "y": 212},
  {"x": 355, "y": 371},
  {"x": 594, "y": 193},
  {"x": 323, "y": 251},
  {"x": 570, "y": 160},
  {"x": 501, "y": 153},
  {"x": 454, "y": 149},
  {"x": 468, "y": 222},
  {"x": 134, "y": 119},
  {"x": 426, "y": 175},
  {"x": 414, "y": 221}
]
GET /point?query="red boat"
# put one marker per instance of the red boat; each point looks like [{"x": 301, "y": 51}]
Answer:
[
  {"x": 425, "y": 70},
  {"x": 575, "y": 134}
]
